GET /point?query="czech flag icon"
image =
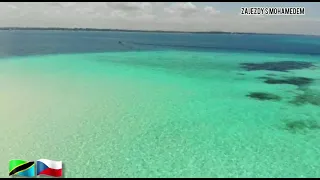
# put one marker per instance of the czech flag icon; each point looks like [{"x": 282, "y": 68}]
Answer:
[{"x": 49, "y": 167}]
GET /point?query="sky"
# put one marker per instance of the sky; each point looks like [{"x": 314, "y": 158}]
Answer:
[{"x": 172, "y": 16}]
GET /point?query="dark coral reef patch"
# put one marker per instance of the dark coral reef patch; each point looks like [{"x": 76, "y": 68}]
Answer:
[
  {"x": 302, "y": 126},
  {"x": 262, "y": 96},
  {"x": 297, "y": 81},
  {"x": 282, "y": 66},
  {"x": 307, "y": 97}
]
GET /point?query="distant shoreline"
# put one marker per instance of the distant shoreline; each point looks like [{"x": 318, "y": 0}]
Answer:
[{"x": 147, "y": 31}]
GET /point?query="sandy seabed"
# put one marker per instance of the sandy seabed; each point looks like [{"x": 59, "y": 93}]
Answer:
[{"x": 156, "y": 114}]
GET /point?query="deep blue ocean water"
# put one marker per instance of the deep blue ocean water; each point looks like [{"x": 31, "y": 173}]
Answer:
[{"x": 20, "y": 43}]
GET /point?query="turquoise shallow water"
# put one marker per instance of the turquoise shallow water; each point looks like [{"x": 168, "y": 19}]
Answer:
[{"x": 156, "y": 114}]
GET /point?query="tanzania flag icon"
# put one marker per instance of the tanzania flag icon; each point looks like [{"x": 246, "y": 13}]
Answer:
[{"x": 21, "y": 168}]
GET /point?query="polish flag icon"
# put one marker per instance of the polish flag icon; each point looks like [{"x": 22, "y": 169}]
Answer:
[{"x": 49, "y": 167}]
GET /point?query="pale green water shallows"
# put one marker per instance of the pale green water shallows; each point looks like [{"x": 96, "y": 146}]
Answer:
[{"x": 157, "y": 114}]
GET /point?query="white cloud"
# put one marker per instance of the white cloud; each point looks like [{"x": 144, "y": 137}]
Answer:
[
  {"x": 211, "y": 10},
  {"x": 117, "y": 13},
  {"x": 180, "y": 16},
  {"x": 12, "y": 6},
  {"x": 130, "y": 6},
  {"x": 182, "y": 9}
]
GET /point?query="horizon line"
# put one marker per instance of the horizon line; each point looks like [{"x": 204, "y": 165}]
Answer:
[{"x": 137, "y": 30}]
